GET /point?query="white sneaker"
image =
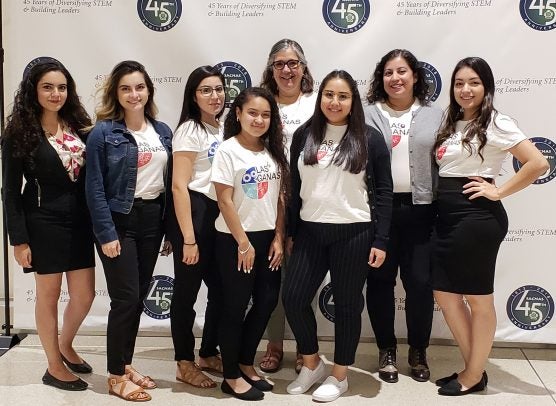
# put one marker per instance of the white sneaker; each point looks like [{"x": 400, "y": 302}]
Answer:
[
  {"x": 306, "y": 378},
  {"x": 330, "y": 390}
]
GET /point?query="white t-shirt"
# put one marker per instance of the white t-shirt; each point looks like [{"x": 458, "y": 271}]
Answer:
[
  {"x": 295, "y": 114},
  {"x": 151, "y": 163},
  {"x": 255, "y": 178},
  {"x": 329, "y": 193},
  {"x": 400, "y": 122},
  {"x": 454, "y": 160},
  {"x": 189, "y": 137}
]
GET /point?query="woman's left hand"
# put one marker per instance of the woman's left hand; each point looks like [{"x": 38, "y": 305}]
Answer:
[
  {"x": 478, "y": 187},
  {"x": 376, "y": 257},
  {"x": 275, "y": 253}
]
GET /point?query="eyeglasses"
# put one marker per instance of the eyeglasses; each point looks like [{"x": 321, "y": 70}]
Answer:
[
  {"x": 206, "y": 91},
  {"x": 279, "y": 65},
  {"x": 342, "y": 96}
]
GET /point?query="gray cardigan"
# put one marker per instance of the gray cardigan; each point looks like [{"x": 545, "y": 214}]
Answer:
[{"x": 422, "y": 134}]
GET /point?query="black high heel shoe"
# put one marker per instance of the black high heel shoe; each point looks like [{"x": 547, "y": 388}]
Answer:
[
  {"x": 252, "y": 394},
  {"x": 261, "y": 384},
  {"x": 447, "y": 379},
  {"x": 453, "y": 388},
  {"x": 83, "y": 368}
]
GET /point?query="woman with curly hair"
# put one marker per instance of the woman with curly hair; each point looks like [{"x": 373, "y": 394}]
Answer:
[
  {"x": 48, "y": 224},
  {"x": 250, "y": 174}
]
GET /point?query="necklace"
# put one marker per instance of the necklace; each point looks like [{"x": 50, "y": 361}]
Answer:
[{"x": 54, "y": 133}]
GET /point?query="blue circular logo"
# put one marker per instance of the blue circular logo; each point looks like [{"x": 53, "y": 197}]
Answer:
[
  {"x": 548, "y": 149},
  {"x": 538, "y": 14},
  {"x": 159, "y": 15},
  {"x": 326, "y": 303},
  {"x": 346, "y": 16},
  {"x": 530, "y": 307},
  {"x": 158, "y": 300},
  {"x": 38, "y": 61},
  {"x": 237, "y": 79},
  {"x": 433, "y": 79},
  {"x": 212, "y": 150}
]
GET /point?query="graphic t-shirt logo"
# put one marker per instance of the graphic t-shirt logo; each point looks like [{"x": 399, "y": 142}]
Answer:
[
  {"x": 538, "y": 14},
  {"x": 548, "y": 149},
  {"x": 530, "y": 307},
  {"x": 440, "y": 152},
  {"x": 145, "y": 153},
  {"x": 346, "y": 16},
  {"x": 326, "y": 148},
  {"x": 212, "y": 150},
  {"x": 159, "y": 15},
  {"x": 236, "y": 77},
  {"x": 158, "y": 300},
  {"x": 251, "y": 187},
  {"x": 433, "y": 79}
]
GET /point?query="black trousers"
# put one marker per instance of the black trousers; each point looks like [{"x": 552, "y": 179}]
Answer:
[
  {"x": 128, "y": 277},
  {"x": 187, "y": 282},
  {"x": 344, "y": 250},
  {"x": 241, "y": 332},
  {"x": 409, "y": 248}
]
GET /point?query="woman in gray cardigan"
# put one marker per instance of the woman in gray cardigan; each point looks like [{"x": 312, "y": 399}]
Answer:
[{"x": 398, "y": 107}]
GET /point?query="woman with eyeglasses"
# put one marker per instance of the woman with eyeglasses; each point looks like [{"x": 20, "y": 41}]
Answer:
[
  {"x": 128, "y": 183},
  {"x": 288, "y": 77},
  {"x": 194, "y": 145},
  {"x": 48, "y": 222},
  {"x": 339, "y": 218}
]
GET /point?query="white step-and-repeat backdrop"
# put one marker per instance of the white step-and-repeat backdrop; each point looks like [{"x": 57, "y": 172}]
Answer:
[{"x": 173, "y": 37}]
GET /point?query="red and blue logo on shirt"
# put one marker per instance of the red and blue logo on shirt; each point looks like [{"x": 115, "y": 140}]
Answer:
[{"x": 253, "y": 188}]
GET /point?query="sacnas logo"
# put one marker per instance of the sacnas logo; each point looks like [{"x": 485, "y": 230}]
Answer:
[
  {"x": 530, "y": 307},
  {"x": 548, "y": 149},
  {"x": 159, "y": 15},
  {"x": 539, "y": 14},
  {"x": 237, "y": 79},
  {"x": 158, "y": 300},
  {"x": 433, "y": 79},
  {"x": 212, "y": 150},
  {"x": 346, "y": 16},
  {"x": 327, "y": 306}
]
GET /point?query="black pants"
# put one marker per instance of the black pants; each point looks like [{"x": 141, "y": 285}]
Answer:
[
  {"x": 409, "y": 249},
  {"x": 128, "y": 277},
  {"x": 187, "y": 282},
  {"x": 344, "y": 250},
  {"x": 240, "y": 333}
]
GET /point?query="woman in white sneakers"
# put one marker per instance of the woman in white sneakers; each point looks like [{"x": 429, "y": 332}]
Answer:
[
  {"x": 470, "y": 148},
  {"x": 339, "y": 218}
]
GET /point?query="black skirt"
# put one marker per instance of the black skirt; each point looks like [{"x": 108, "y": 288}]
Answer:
[{"x": 467, "y": 238}]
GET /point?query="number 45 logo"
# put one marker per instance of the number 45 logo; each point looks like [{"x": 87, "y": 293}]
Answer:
[
  {"x": 159, "y": 15},
  {"x": 530, "y": 307},
  {"x": 539, "y": 14},
  {"x": 346, "y": 16}
]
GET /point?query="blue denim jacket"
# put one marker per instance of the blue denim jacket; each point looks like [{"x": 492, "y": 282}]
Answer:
[{"x": 112, "y": 173}]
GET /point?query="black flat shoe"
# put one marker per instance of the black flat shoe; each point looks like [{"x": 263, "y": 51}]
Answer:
[
  {"x": 76, "y": 385},
  {"x": 251, "y": 394},
  {"x": 446, "y": 379},
  {"x": 83, "y": 368},
  {"x": 453, "y": 388},
  {"x": 262, "y": 385}
]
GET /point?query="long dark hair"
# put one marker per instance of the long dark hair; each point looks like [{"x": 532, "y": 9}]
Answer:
[
  {"x": 190, "y": 109},
  {"x": 352, "y": 150},
  {"x": 268, "y": 81},
  {"x": 110, "y": 108},
  {"x": 376, "y": 91},
  {"x": 477, "y": 127},
  {"x": 273, "y": 139},
  {"x": 24, "y": 122}
]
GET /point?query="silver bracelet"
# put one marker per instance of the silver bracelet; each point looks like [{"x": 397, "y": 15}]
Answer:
[{"x": 246, "y": 249}]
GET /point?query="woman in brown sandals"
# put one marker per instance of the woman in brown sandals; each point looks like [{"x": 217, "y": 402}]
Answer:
[
  {"x": 195, "y": 142},
  {"x": 128, "y": 182}
]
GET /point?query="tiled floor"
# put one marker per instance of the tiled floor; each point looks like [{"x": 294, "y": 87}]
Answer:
[{"x": 516, "y": 377}]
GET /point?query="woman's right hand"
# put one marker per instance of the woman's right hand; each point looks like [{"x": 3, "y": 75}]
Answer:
[
  {"x": 22, "y": 254},
  {"x": 190, "y": 254},
  {"x": 111, "y": 249},
  {"x": 245, "y": 261}
]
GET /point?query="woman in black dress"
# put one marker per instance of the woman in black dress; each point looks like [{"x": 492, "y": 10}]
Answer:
[{"x": 48, "y": 224}]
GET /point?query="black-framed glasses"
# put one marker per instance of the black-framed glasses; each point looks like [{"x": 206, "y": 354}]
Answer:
[
  {"x": 279, "y": 65},
  {"x": 206, "y": 91}
]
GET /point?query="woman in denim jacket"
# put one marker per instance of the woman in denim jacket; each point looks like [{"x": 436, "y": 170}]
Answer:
[{"x": 129, "y": 159}]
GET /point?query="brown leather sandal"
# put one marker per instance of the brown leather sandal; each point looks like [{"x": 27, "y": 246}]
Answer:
[
  {"x": 214, "y": 364},
  {"x": 139, "y": 379},
  {"x": 135, "y": 395},
  {"x": 190, "y": 373},
  {"x": 272, "y": 360}
]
